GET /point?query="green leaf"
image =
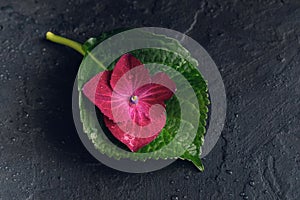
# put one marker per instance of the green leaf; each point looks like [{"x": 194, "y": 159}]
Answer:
[{"x": 169, "y": 144}]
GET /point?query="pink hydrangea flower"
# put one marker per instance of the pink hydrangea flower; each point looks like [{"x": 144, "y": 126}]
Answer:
[{"x": 131, "y": 101}]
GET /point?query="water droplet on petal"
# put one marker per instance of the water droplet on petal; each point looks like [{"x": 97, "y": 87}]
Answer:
[
  {"x": 130, "y": 76},
  {"x": 113, "y": 126}
]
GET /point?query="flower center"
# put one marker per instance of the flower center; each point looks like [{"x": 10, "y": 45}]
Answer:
[{"x": 134, "y": 99}]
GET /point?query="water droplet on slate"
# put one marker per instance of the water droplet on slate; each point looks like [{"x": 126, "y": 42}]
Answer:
[
  {"x": 172, "y": 182},
  {"x": 280, "y": 58},
  {"x": 75, "y": 30},
  {"x": 177, "y": 190},
  {"x": 174, "y": 197},
  {"x": 26, "y": 114},
  {"x": 229, "y": 172},
  {"x": 252, "y": 183},
  {"x": 185, "y": 197},
  {"x": 242, "y": 194},
  {"x": 187, "y": 177},
  {"x": 265, "y": 191}
]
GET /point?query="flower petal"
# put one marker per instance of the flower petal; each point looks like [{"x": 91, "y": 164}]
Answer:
[
  {"x": 131, "y": 73},
  {"x": 99, "y": 92},
  {"x": 162, "y": 88},
  {"x": 139, "y": 113},
  {"x": 133, "y": 135}
]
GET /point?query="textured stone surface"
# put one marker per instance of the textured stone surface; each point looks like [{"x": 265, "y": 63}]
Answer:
[{"x": 256, "y": 45}]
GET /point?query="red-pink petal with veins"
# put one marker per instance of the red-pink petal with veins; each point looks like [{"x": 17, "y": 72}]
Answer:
[
  {"x": 131, "y": 79},
  {"x": 99, "y": 92}
]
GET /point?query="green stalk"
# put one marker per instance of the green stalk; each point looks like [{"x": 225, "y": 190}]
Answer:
[
  {"x": 74, "y": 45},
  {"x": 64, "y": 41}
]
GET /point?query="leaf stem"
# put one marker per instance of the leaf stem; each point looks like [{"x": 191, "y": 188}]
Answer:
[{"x": 65, "y": 41}]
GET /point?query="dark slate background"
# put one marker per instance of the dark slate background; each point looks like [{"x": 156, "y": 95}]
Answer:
[{"x": 256, "y": 45}]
